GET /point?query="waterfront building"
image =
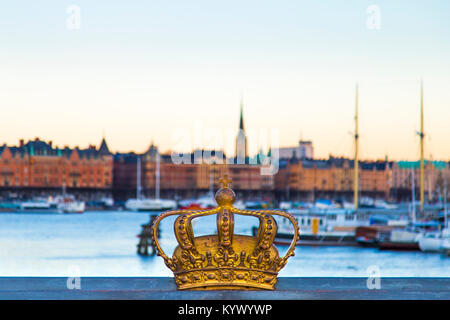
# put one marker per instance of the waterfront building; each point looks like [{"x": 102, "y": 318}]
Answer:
[
  {"x": 187, "y": 180},
  {"x": 38, "y": 165},
  {"x": 436, "y": 173},
  {"x": 304, "y": 150},
  {"x": 309, "y": 179}
]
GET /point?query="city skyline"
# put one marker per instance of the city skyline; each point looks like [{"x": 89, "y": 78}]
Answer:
[
  {"x": 134, "y": 73},
  {"x": 254, "y": 148}
]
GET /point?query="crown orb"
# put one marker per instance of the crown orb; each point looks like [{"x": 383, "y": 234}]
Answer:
[{"x": 225, "y": 197}]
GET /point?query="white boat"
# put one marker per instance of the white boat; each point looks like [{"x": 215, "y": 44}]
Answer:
[
  {"x": 59, "y": 204},
  {"x": 433, "y": 241},
  {"x": 402, "y": 238},
  {"x": 239, "y": 205},
  {"x": 446, "y": 246},
  {"x": 409, "y": 238},
  {"x": 322, "y": 227},
  {"x": 143, "y": 204},
  {"x": 38, "y": 205},
  {"x": 381, "y": 204},
  {"x": 202, "y": 203},
  {"x": 150, "y": 204},
  {"x": 285, "y": 205},
  {"x": 107, "y": 202},
  {"x": 324, "y": 204},
  {"x": 348, "y": 205},
  {"x": 68, "y": 204}
]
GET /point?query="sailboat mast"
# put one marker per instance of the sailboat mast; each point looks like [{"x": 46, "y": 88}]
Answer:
[
  {"x": 356, "y": 161},
  {"x": 421, "y": 149},
  {"x": 157, "y": 175}
]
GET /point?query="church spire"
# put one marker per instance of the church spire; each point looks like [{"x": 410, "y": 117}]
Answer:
[
  {"x": 241, "y": 122},
  {"x": 241, "y": 139}
]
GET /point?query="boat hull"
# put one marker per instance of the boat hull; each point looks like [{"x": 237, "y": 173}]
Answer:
[
  {"x": 430, "y": 244},
  {"x": 392, "y": 245},
  {"x": 72, "y": 207},
  {"x": 446, "y": 247}
]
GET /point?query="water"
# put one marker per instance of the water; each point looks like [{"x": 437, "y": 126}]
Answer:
[{"x": 104, "y": 244}]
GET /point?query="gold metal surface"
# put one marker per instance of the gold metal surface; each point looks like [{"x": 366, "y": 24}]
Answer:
[{"x": 225, "y": 261}]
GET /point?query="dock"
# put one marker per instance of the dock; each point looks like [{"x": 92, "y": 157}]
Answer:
[{"x": 160, "y": 288}]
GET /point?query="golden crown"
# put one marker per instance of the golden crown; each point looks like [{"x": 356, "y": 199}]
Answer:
[{"x": 226, "y": 260}]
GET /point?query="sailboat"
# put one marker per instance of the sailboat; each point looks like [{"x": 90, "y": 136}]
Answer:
[
  {"x": 407, "y": 239},
  {"x": 144, "y": 204},
  {"x": 437, "y": 241},
  {"x": 324, "y": 224}
]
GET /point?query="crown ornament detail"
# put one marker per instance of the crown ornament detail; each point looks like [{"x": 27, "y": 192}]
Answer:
[{"x": 225, "y": 261}]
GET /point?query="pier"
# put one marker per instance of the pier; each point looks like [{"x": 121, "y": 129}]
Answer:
[{"x": 131, "y": 288}]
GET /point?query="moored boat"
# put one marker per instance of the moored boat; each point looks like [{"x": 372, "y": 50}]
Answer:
[
  {"x": 150, "y": 204},
  {"x": 369, "y": 236},
  {"x": 202, "y": 203},
  {"x": 334, "y": 227},
  {"x": 446, "y": 246},
  {"x": 433, "y": 241},
  {"x": 68, "y": 204},
  {"x": 406, "y": 238},
  {"x": 144, "y": 204},
  {"x": 398, "y": 239},
  {"x": 38, "y": 205},
  {"x": 430, "y": 242}
]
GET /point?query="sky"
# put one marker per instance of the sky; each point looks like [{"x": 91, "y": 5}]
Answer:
[{"x": 173, "y": 72}]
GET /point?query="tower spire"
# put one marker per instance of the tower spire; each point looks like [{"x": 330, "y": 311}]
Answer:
[
  {"x": 241, "y": 139},
  {"x": 241, "y": 120}
]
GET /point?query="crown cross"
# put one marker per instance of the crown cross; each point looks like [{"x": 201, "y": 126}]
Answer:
[{"x": 225, "y": 181}]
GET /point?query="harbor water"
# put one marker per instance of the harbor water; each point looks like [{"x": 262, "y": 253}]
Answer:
[{"x": 103, "y": 243}]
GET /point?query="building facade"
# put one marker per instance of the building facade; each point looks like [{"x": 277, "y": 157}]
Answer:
[
  {"x": 309, "y": 179},
  {"x": 304, "y": 150},
  {"x": 186, "y": 180},
  {"x": 38, "y": 165},
  {"x": 436, "y": 179}
]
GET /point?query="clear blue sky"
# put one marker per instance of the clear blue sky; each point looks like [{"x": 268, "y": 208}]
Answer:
[{"x": 136, "y": 70}]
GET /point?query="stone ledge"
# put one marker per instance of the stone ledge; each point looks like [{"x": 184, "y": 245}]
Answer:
[{"x": 105, "y": 288}]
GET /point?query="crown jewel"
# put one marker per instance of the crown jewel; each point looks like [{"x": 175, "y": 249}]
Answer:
[{"x": 225, "y": 260}]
